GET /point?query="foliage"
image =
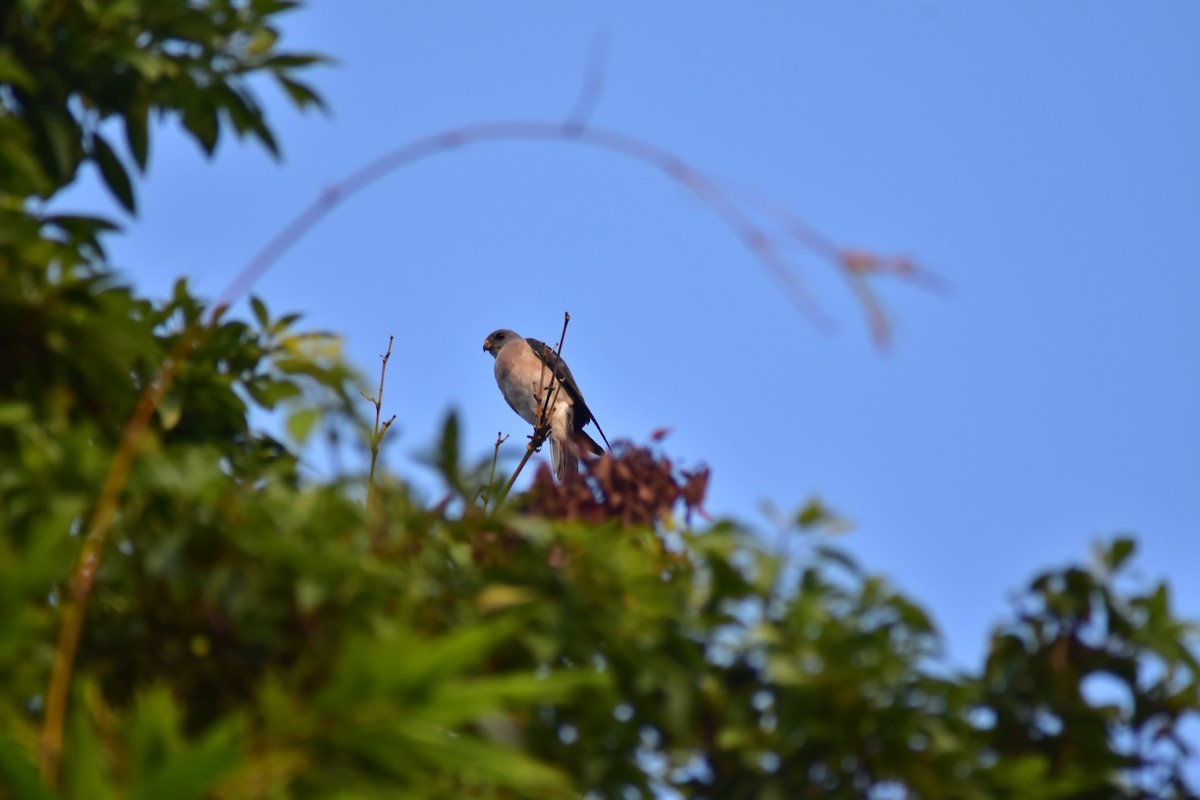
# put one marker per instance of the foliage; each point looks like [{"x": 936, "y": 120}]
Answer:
[{"x": 253, "y": 634}]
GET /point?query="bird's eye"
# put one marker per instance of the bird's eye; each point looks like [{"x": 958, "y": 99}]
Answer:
[{"x": 499, "y": 336}]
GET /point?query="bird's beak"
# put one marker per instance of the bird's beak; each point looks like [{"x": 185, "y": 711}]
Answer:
[{"x": 487, "y": 345}]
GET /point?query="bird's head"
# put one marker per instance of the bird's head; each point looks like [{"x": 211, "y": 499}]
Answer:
[{"x": 497, "y": 339}]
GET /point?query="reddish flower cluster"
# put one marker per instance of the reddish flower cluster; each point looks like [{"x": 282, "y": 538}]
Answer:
[{"x": 632, "y": 484}]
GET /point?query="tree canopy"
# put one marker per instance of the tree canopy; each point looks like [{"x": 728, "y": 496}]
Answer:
[{"x": 181, "y": 615}]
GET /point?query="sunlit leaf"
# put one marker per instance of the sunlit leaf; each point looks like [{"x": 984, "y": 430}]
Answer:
[
  {"x": 300, "y": 423},
  {"x": 170, "y": 409}
]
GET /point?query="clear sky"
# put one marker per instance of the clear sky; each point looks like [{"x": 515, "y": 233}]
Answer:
[{"x": 1044, "y": 158}]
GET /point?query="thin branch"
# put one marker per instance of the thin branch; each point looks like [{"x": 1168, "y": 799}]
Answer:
[
  {"x": 83, "y": 577},
  {"x": 529, "y": 451},
  {"x": 555, "y": 384},
  {"x": 501, "y": 438},
  {"x": 691, "y": 178},
  {"x": 377, "y": 436},
  {"x": 855, "y": 265}
]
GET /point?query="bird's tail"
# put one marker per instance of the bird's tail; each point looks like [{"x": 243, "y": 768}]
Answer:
[
  {"x": 564, "y": 456},
  {"x": 564, "y": 459}
]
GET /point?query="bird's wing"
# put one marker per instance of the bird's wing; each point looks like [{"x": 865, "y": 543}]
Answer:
[
  {"x": 583, "y": 414},
  {"x": 591, "y": 444}
]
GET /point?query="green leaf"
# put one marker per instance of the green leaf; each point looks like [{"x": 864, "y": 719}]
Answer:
[
  {"x": 19, "y": 775},
  {"x": 201, "y": 120},
  {"x": 170, "y": 409},
  {"x": 166, "y": 764},
  {"x": 486, "y": 761},
  {"x": 262, "y": 41},
  {"x": 283, "y": 323},
  {"x": 301, "y": 423},
  {"x": 265, "y": 8},
  {"x": 150, "y": 66},
  {"x": 19, "y": 160},
  {"x": 239, "y": 106},
  {"x": 813, "y": 514},
  {"x": 457, "y": 702},
  {"x": 114, "y": 172},
  {"x": 302, "y": 94},
  {"x": 446, "y": 456},
  {"x": 137, "y": 135},
  {"x": 11, "y": 71},
  {"x": 1119, "y": 552},
  {"x": 268, "y": 392},
  {"x": 193, "y": 772},
  {"x": 81, "y": 226},
  {"x": 293, "y": 60},
  {"x": 60, "y": 134},
  {"x": 13, "y": 414},
  {"x": 84, "y": 768},
  {"x": 260, "y": 312},
  {"x": 264, "y": 135}
]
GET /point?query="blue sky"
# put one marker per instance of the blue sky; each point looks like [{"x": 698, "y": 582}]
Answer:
[{"x": 1043, "y": 158}]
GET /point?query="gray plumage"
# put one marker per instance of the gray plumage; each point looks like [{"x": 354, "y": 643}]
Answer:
[{"x": 525, "y": 370}]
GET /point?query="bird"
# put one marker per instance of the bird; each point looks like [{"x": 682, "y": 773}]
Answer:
[{"x": 526, "y": 370}]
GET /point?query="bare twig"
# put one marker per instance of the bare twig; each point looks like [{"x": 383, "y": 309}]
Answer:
[
  {"x": 501, "y": 438},
  {"x": 529, "y": 451},
  {"x": 555, "y": 384},
  {"x": 856, "y": 265},
  {"x": 377, "y": 435},
  {"x": 691, "y": 178}
]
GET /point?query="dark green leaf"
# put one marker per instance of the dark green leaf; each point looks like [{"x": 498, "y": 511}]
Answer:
[
  {"x": 812, "y": 515},
  {"x": 264, "y": 135},
  {"x": 19, "y": 775},
  {"x": 58, "y": 138},
  {"x": 137, "y": 135},
  {"x": 293, "y": 60},
  {"x": 239, "y": 106},
  {"x": 260, "y": 312},
  {"x": 447, "y": 456},
  {"x": 302, "y": 94},
  {"x": 201, "y": 120},
  {"x": 114, "y": 172},
  {"x": 1119, "y": 552},
  {"x": 11, "y": 71},
  {"x": 192, "y": 772}
]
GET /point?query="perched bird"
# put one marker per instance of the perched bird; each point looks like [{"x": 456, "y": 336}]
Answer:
[{"x": 526, "y": 370}]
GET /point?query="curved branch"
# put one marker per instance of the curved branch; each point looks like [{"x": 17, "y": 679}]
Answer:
[{"x": 691, "y": 178}]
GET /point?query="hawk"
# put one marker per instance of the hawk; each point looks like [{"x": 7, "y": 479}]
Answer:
[{"x": 526, "y": 370}]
